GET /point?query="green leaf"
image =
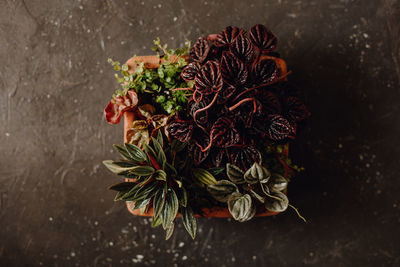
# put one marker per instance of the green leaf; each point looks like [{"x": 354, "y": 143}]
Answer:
[
  {"x": 277, "y": 203},
  {"x": 123, "y": 152},
  {"x": 277, "y": 182},
  {"x": 146, "y": 191},
  {"x": 135, "y": 152},
  {"x": 241, "y": 207},
  {"x": 171, "y": 168},
  {"x": 115, "y": 168},
  {"x": 149, "y": 150},
  {"x": 142, "y": 170},
  {"x": 216, "y": 170},
  {"x": 119, "y": 195},
  {"x": 161, "y": 158},
  {"x": 160, "y": 138},
  {"x": 182, "y": 196},
  {"x": 160, "y": 175},
  {"x": 155, "y": 221},
  {"x": 130, "y": 194},
  {"x": 159, "y": 200},
  {"x": 222, "y": 189},
  {"x": 203, "y": 176},
  {"x": 169, "y": 230},
  {"x": 124, "y": 186},
  {"x": 189, "y": 221},
  {"x": 177, "y": 146},
  {"x": 170, "y": 209},
  {"x": 235, "y": 174},
  {"x": 257, "y": 173}
]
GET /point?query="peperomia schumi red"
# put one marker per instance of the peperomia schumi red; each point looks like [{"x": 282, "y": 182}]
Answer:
[{"x": 207, "y": 129}]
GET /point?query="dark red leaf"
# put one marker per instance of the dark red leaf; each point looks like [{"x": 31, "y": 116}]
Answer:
[
  {"x": 218, "y": 157},
  {"x": 208, "y": 80},
  {"x": 202, "y": 117},
  {"x": 265, "y": 71},
  {"x": 189, "y": 72},
  {"x": 242, "y": 48},
  {"x": 224, "y": 133},
  {"x": 244, "y": 157},
  {"x": 226, "y": 92},
  {"x": 280, "y": 128},
  {"x": 226, "y": 37},
  {"x": 233, "y": 70},
  {"x": 262, "y": 38},
  {"x": 116, "y": 107},
  {"x": 295, "y": 109},
  {"x": 181, "y": 130},
  {"x": 270, "y": 102},
  {"x": 201, "y": 140},
  {"x": 199, "y": 50}
]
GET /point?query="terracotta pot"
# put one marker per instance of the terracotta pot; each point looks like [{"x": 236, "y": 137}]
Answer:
[{"x": 129, "y": 117}]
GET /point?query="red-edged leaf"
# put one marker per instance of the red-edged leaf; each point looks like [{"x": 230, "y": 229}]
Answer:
[
  {"x": 242, "y": 48},
  {"x": 209, "y": 80},
  {"x": 262, "y": 38},
  {"x": 265, "y": 71},
  {"x": 280, "y": 128},
  {"x": 270, "y": 102},
  {"x": 218, "y": 157},
  {"x": 116, "y": 108},
  {"x": 296, "y": 110},
  {"x": 189, "y": 72},
  {"x": 233, "y": 70},
  {"x": 181, "y": 130},
  {"x": 199, "y": 50},
  {"x": 224, "y": 133},
  {"x": 201, "y": 117},
  {"x": 197, "y": 155},
  {"x": 244, "y": 157},
  {"x": 226, "y": 92},
  {"x": 226, "y": 37}
]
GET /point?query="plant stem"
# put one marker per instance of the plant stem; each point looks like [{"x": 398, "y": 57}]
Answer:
[
  {"x": 244, "y": 101},
  {"x": 206, "y": 107},
  {"x": 298, "y": 213}
]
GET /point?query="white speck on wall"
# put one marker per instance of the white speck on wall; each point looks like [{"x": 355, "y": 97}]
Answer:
[
  {"x": 181, "y": 244},
  {"x": 81, "y": 7},
  {"x": 7, "y": 134},
  {"x": 184, "y": 258},
  {"x": 73, "y": 254},
  {"x": 175, "y": 18},
  {"x": 51, "y": 219}
]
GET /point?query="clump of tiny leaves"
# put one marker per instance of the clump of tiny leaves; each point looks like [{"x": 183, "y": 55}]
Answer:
[
  {"x": 153, "y": 183},
  {"x": 212, "y": 129},
  {"x": 157, "y": 83}
]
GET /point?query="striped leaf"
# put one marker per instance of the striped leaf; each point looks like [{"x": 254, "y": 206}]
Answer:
[
  {"x": 277, "y": 182},
  {"x": 235, "y": 174},
  {"x": 222, "y": 189},
  {"x": 142, "y": 170},
  {"x": 189, "y": 221},
  {"x": 170, "y": 209},
  {"x": 115, "y": 167},
  {"x": 278, "y": 203},
  {"x": 135, "y": 153},
  {"x": 241, "y": 207},
  {"x": 203, "y": 176},
  {"x": 125, "y": 186},
  {"x": 257, "y": 173},
  {"x": 169, "y": 230},
  {"x": 159, "y": 201}
]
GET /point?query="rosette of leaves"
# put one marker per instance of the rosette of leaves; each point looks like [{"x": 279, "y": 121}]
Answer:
[
  {"x": 246, "y": 190},
  {"x": 151, "y": 182},
  {"x": 239, "y": 97}
]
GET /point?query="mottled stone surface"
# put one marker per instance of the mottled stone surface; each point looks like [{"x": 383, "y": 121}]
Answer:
[{"x": 55, "y": 81}]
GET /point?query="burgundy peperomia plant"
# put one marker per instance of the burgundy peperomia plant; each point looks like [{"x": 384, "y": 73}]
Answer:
[{"x": 240, "y": 97}]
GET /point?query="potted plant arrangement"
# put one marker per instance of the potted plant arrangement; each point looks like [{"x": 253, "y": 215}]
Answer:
[{"x": 206, "y": 130}]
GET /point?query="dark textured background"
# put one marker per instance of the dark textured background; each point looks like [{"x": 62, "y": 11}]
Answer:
[{"x": 55, "y": 81}]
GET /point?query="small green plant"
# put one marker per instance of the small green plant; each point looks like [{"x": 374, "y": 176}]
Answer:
[{"x": 153, "y": 183}]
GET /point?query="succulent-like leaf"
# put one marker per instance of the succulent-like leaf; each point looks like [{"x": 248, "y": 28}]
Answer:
[
  {"x": 278, "y": 203},
  {"x": 189, "y": 221},
  {"x": 244, "y": 157},
  {"x": 189, "y": 72},
  {"x": 124, "y": 186},
  {"x": 116, "y": 168},
  {"x": 136, "y": 153},
  {"x": 226, "y": 37},
  {"x": 224, "y": 133},
  {"x": 159, "y": 201},
  {"x": 169, "y": 230},
  {"x": 209, "y": 80},
  {"x": 262, "y": 38},
  {"x": 222, "y": 189},
  {"x": 170, "y": 209},
  {"x": 265, "y": 71},
  {"x": 233, "y": 70},
  {"x": 277, "y": 182},
  {"x": 181, "y": 130},
  {"x": 199, "y": 50},
  {"x": 203, "y": 176},
  {"x": 242, "y": 48},
  {"x": 279, "y": 128},
  {"x": 235, "y": 174},
  {"x": 241, "y": 207},
  {"x": 257, "y": 174}
]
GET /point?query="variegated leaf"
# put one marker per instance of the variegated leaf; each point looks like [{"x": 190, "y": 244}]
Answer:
[
  {"x": 160, "y": 175},
  {"x": 159, "y": 201},
  {"x": 170, "y": 209},
  {"x": 203, "y": 176},
  {"x": 241, "y": 207},
  {"x": 277, "y": 182},
  {"x": 235, "y": 174},
  {"x": 222, "y": 189},
  {"x": 169, "y": 230},
  {"x": 278, "y": 203},
  {"x": 116, "y": 168},
  {"x": 135, "y": 152},
  {"x": 257, "y": 173},
  {"x": 189, "y": 221},
  {"x": 142, "y": 170}
]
